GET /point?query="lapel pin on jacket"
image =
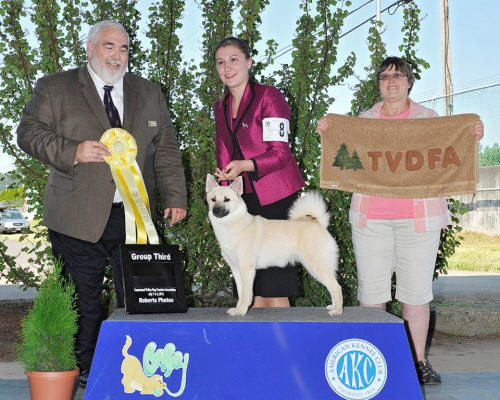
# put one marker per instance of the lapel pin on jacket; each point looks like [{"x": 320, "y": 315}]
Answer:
[
  {"x": 244, "y": 125},
  {"x": 152, "y": 124}
]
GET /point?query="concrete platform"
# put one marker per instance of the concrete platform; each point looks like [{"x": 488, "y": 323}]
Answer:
[
  {"x": 296, "y": 314},
  {"x": 467, "y": 305}
]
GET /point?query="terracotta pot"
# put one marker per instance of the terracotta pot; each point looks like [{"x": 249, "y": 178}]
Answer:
[{"x": 52, "y": 385}]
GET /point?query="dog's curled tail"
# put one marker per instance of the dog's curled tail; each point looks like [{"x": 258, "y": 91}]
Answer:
[
  {"x": 310, "y": 207},
  {"x": 126, "y": 346}
]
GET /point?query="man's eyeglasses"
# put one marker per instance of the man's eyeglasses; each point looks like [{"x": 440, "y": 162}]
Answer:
[{"x": 386, "y": 77}]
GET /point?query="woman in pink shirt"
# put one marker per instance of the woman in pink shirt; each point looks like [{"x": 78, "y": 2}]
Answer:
[
  {"x": 399, "y": 235},
  {"x": 251, "y": 140}
]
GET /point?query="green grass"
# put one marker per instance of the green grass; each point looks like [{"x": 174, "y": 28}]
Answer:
[{"x": 477, "y": 252}]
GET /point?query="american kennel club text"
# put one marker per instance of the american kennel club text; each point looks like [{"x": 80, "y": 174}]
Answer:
[{"x": 356, "y": 369}]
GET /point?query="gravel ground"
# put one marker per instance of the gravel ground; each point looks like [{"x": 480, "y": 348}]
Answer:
[{"x": 12, "y": 313}]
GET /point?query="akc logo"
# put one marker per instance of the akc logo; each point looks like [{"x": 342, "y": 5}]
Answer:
[{"x": 355, "y": 369}]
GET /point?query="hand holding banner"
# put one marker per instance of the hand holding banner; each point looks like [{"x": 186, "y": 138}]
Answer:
[{"x": 411, "y": 158}]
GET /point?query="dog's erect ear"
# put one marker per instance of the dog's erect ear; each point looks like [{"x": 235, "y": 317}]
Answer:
[
  {"x": 211, "y": 183},
  {"x": 237, "y": 186}
]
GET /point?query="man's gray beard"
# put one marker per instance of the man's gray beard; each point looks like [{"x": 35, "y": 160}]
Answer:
[{"x": 105, "y": 75}]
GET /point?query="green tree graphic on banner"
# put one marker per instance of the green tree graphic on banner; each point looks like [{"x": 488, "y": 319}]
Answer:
[
  {"x": 344, "y": 160},
  {"x": 355, "y": 162}
]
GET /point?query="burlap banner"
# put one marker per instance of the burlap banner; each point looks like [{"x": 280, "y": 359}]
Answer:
[{"x": 427, "y": 157}]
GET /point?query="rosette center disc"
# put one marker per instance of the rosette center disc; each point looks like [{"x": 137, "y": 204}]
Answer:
[
  {"x": 118, "y": 147},
  {"x": 121, "y": 145}
]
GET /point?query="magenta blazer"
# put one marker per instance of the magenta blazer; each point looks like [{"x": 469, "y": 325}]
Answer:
[{"x": 276, "y": 174}]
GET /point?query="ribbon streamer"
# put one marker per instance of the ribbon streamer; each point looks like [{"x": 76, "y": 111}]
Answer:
[{"x": 130, "y": 184}]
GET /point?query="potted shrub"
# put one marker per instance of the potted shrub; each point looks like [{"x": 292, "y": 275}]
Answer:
[{"x": 48, "y": 333}]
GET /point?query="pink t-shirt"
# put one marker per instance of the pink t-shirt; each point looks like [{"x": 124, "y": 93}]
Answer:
[{"x": 386, "y": 207}]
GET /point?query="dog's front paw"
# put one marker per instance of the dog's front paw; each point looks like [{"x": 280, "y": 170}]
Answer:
[
  {"x": 334, "y": 310},
  {"x": 234, "y": 311}
]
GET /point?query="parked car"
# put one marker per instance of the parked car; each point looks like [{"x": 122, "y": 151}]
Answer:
[{"x": 13, "y": 221}]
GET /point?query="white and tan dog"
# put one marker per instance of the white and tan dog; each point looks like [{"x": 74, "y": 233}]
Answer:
[{"x": 251, "y": 242}]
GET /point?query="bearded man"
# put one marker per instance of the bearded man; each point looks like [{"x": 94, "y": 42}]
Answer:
[{"x": 61, "y": 126}]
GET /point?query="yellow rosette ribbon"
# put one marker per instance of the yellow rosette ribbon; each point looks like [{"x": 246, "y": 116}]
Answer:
[{"x": 130, "y": 184}]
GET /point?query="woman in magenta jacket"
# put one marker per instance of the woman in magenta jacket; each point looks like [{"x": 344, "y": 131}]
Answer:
[{"x": 251, "y": 139}]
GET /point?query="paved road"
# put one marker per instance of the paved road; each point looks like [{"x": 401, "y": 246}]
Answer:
[
  {"x": 457, "y": 386},
  {"x": 14, "y": 249},
  {"x": 457, "y": 284},
  {"x": 15, "y": 292},
  {"x": 463, "y": 284}
]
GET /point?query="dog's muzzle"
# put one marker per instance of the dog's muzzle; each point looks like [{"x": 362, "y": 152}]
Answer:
[{"x": 219, "y": 211}]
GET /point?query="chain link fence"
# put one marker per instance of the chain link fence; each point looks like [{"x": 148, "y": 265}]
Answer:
[
  {"x": 485, "y": 102},
  {"x": 484, "y": 207}
]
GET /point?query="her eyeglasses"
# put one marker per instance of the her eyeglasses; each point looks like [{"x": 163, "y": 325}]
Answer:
[{"x": 386, "y": 77}]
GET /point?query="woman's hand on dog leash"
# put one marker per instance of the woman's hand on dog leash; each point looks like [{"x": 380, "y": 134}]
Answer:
[
  {"x": 234, "y": 169},
  {"x": 221, "y": 176}
]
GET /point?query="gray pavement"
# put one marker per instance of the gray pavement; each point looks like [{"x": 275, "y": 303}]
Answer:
[
  {"x": 18, "y": 389},
  {"x": 15, "y": 292},
  {"x": 455, "y": 386},
  {"x": 463, "y": 284},
  {"x": 467, "y": 305},
  {"x": 469, "y": 366},
  {"x": 465, "y": 386}
]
